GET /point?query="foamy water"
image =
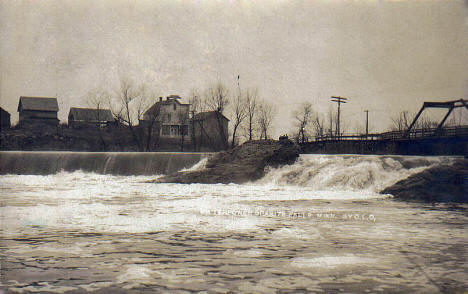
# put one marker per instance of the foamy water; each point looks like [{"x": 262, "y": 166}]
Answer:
[
  {"x": 316, "y": 226},
  {"x": 350, "y": 173}
]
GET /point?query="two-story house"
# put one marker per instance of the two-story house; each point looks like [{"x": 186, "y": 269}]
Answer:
[{"x": 169, "y": 118}]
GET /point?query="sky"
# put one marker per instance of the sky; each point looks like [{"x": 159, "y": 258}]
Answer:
[{"x": 385, "y": 56}]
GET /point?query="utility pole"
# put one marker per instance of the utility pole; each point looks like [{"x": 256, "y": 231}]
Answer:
[
  {"x": 238, "y": 84},
  {"x": 338, "y": 100},
  {"x": 193, "y": 130},
  {"x": 367, "y": 122}
]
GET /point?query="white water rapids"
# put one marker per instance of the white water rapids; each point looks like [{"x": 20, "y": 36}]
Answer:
[{"x": 319, "y": 225}]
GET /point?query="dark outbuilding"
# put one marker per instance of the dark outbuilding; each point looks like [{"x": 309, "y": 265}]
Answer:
[
  {"x": 5, "y": 119},
  {"x": 79, "y": 117},
  {"x": 34, "y": 111}
]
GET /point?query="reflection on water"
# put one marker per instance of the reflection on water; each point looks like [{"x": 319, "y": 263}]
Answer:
[{"x": 83, "y": 232}]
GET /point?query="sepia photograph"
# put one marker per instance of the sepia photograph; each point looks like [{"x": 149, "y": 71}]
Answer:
[{"x": 234, "y": 146}]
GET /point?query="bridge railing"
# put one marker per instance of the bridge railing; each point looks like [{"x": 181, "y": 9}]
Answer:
[
  {"x": 401, "y": 135},
  {"x": 348, "y": 137}
]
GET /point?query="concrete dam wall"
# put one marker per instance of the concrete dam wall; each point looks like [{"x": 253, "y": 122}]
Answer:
[{"x": 114, "y": 163}]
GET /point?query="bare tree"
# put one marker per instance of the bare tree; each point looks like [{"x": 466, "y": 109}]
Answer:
[
  {"x": 359, "y": 128},
  {"x": 251, "y": 111},
  {"x": 332, "y": 120},
  {"x": 217, "y": 100},
  {"x": 458, "y": 117},
  {"x": 196, "y": 101},
  {"x": 239, "y": 114},
  {"x": 303, "y": 117},
  {"x": 401, "y": 122},
  {"x": 266, "y": 113},
  {"x": 129, "y": 106},
  {"x": 195, "y": 107},
  {"x": 150, "y": 125},
  {"x": 183, "y": 118},
  {"x": 98, "y": 99},
  {"x": 425, "y": 123},
  {"x": 318, "y": 124}
]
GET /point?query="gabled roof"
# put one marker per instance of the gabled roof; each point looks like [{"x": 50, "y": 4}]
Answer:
[
  {"x": 90, "y": 114},
  {"x": 207, "y": 114},
  {"x": 155, "y": 108},
  {"x": 4, "y": 112},
  {"x": 38, "y": 103}
]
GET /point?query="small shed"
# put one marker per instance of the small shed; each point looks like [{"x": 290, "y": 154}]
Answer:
[
  {"x": 37, "y": 111},
  {"x": 87, "y": 117},
  {"x": 5, "y": 119}
]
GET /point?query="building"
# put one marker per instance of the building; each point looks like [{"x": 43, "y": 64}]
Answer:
[
  {"x": 210, "y": 129},
  {"x": 89, "y": 117},
  {"x": 35, "y": 111},
  {"x": 169, "y": 118},
  {"x": 5, "y": 119}
]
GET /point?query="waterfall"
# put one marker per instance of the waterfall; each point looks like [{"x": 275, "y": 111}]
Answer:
[
  {"x": 115, "y": 163},
  {"x": 349, "y": 172}
]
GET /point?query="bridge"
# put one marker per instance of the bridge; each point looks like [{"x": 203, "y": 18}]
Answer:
[
  {"x": 447, "y": 132},
  {"x": 424, "y": 141}
]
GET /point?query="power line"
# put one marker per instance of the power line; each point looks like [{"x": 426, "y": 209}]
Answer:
[
  {"x": 338, "y": 100},
  {"x": 367, "y": 122}
]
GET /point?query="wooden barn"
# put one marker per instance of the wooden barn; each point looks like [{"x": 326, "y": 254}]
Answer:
[
  {"x": 89, "y": 117},
  {"x": 35, "y": 111},
  {"x": 5, "y": 119}
]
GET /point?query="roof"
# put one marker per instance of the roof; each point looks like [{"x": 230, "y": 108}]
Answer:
[
  {"x": 38, "y": 103},
  {"x": 90, "y": 114},
  {"x": 3, "y": 111},
  {"x": 207, "y": 114},
  {"x": 155, "y": 108}
]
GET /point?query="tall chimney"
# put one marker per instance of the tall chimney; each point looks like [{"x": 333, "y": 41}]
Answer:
[{"x": 160, "y": 99}]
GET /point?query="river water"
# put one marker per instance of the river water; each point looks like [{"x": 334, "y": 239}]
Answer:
[{"x": 318, "y": 226}]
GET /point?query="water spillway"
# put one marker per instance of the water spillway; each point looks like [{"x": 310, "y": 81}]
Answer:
[
  {"x": 351, "y": 172},
  {"x": 115, "y": 163}
]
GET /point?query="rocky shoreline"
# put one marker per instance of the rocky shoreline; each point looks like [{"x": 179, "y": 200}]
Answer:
[
  {"x": 245, "y": 163},
  {"x": 442, "y": 183},
  {"x": 239, "y": 165}
]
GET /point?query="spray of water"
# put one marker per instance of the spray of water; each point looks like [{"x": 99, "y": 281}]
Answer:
[{"x": 349, "y": 173}]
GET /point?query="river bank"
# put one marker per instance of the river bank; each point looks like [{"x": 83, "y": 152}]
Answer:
[
  {"x": 239, "y": 165},
  {"x": 439, "y": 183}
]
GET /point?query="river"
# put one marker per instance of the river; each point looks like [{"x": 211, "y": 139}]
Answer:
[{"x": 318, "y": 226}]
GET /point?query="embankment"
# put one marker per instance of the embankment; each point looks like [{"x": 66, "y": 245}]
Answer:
[
  {"x": 440, "y": 183},
  {"x": 239, "y": 165}
]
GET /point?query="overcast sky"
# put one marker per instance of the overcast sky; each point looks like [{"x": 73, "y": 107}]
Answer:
[{"x": 386, "y": 56}]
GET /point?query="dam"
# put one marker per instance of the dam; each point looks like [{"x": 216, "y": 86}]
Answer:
[
  {"x": 112, "y": 163},
  {"x": 93, "y": 222}
]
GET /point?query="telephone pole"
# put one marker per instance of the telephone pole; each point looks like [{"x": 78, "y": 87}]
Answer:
[
  {"x": 238, "y": 84},
  {"x": 367, "y": 122},
  {"x": 338, "y": 100}
]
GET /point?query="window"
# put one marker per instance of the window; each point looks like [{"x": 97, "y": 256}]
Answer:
[
  {"x": 175, "y": 106},
  {"x": 168, "y": 118},
  {"x": 175, "y": 131},
  {"x": 166, "y": 130},
  {"x": 184, "y": 130}
]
